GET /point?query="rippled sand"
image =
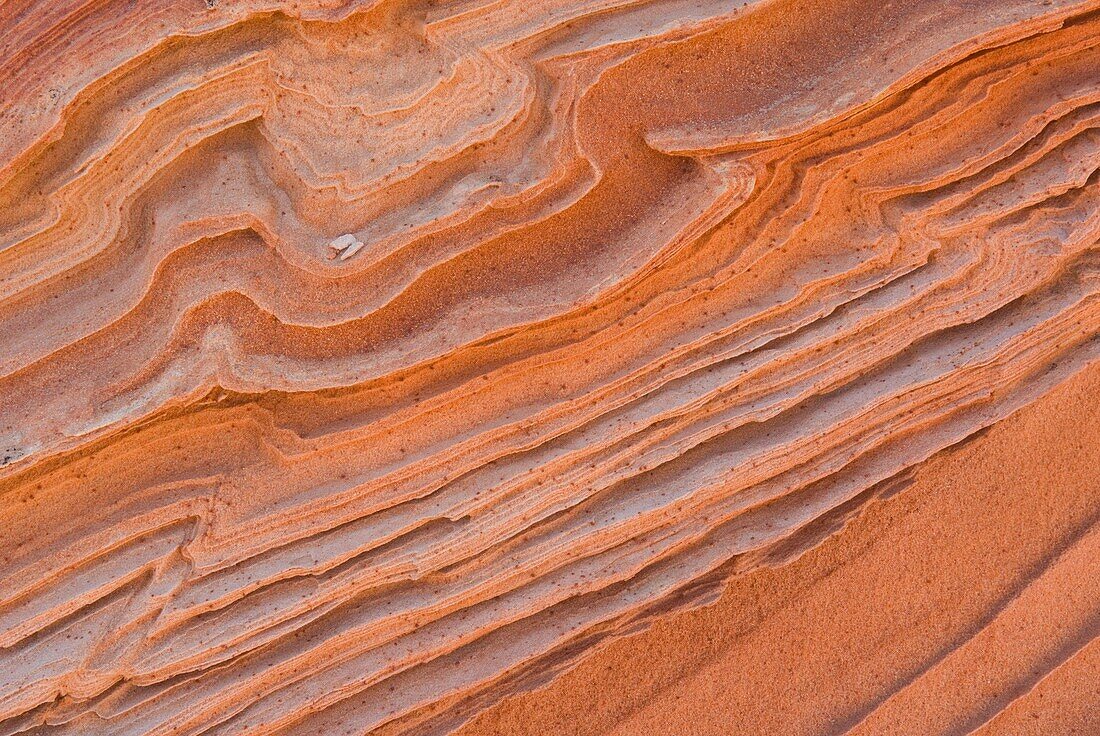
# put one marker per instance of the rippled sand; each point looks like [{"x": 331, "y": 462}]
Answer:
[{"x": 364, "y": 364}]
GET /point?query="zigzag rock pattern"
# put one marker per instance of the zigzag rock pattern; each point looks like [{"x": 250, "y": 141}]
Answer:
[{"x": 362, "y": 363}]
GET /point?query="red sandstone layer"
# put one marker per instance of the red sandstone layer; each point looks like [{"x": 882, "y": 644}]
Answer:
[
  {"x": 364, "y": 363},
  {"x": 965, "y": 603}
]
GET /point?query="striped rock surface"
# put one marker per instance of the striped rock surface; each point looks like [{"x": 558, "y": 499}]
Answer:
[{"x": 364, "y": 363}]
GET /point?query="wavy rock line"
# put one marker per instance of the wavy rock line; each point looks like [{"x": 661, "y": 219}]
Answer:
[{"x": 639, "y": 295}]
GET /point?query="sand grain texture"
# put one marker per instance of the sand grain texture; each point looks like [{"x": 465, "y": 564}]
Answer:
[
  {"x": 960, "y": 604},
  {"x": 364, "y": 364}
]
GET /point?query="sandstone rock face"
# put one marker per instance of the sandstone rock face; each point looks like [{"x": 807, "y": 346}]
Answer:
[{"x": 365, "y": 363}]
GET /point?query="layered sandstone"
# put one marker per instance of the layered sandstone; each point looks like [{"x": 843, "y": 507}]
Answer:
[
  {"x": 964, "y": 603},
  {"x": 364, "y": 363}
]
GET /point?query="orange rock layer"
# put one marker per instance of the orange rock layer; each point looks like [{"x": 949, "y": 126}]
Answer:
[
  {"x": 364, "y": 363},
  {"x": 968, "y": 603}
]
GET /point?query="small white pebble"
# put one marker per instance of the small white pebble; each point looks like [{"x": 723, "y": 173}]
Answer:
[
  {"x": 351, "y": 250},
  {"x": 343, "y": 242}
]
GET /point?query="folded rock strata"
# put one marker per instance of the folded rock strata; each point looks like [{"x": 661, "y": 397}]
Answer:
[{"x": 643, "y": 295}]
